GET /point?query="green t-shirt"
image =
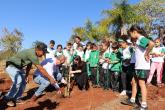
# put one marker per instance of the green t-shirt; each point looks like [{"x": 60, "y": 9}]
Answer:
[
  {"x": 117, "y": 58},
  {"x": 24, "y": 58},
  {"x": 94, "y": 58}
]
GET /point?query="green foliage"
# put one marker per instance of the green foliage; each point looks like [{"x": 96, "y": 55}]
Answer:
[
  {"x": 90, "y": 32},
  {"x": 148, "y": 13},
  {"x": 123, "y": 14},
  {"x": 154, "y": 10},
  {"x": 10, "y": 42}
]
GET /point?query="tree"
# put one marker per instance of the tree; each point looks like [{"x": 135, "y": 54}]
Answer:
[
  {"x": 120, "y": 17},
  {"x": 90, "y": 32},
  {"x": 154, "y": 10},
  {"x": 11, "y": 41}
]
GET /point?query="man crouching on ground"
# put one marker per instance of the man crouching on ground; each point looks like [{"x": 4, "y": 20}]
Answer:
[
  {"x": 14, "y": 68},
  {"x": 51, "y": 65}
]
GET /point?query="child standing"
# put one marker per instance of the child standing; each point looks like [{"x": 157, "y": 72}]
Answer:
[
  {"x": 67, "y": 53},
  {"x": 116, "y": 68},
  {"x": 87, "y": 54},
  {"x": 157, "y": 62},
  {"x": 126, "y": 76},
  {"x": 93, "y": 64},
  {"x": 105, "y": 73},
  {"x": 143, "y": 47},
  {"x": 51, "y": 49}
]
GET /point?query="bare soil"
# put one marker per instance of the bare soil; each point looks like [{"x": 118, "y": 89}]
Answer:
[{"x": 93, "y": 99}]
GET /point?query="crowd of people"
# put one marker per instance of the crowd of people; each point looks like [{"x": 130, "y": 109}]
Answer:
[{"x": 126, "y": 65}]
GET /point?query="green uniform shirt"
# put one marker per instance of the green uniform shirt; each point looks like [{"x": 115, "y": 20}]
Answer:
[
  {"x": 94, "y": 58},
  {"x": 24, "y": 58},
  {"x": 116, "y": 67}
]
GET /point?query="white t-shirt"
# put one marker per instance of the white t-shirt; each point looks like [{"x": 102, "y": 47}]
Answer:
[
  {"x": 80, "y": 53},
  {"x": 58, "y": 53},
  {"x": 87, "y": 54},
  {"x": 67, "y": 54},
  {"x": 75, "y": 46},
  {"x": 140, "y": 49},
  {"x": 51, "y": 53},
  {"x": 49, "y": 65},
  {"x": 106, "y": 65},
  {"x": 157, "y": 50}
]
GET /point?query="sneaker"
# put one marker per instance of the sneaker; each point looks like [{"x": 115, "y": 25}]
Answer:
[
  {"x": 140, "y": 108},
  {"x": 128, "y": 102},
  {"x": 123, "y": 92},
  {"x": 63, "y": 81},
  {"x": 11, "y": 104},
  {"x": 20, "y": 101}
]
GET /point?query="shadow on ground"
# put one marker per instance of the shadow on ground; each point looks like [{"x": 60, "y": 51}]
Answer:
[{"x": 47, "y": 104}]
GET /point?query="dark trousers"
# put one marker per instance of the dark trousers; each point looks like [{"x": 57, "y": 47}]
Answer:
[
  {"x": 114, "y": 79},
  {"x": 94, "y": 77},
  {"x": 106, "y": 78}
]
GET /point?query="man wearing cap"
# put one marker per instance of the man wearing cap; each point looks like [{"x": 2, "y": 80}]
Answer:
[{"x": 18, "y": 67}]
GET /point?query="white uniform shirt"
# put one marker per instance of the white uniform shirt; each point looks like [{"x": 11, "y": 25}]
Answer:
[
  {"x": 157, "y": 50},
  {"x": 87, "y": 54},
  {"x": 140, "y": 49},
  {"x": 51, "y": 53},
  {"x": 67, "y": 54}
]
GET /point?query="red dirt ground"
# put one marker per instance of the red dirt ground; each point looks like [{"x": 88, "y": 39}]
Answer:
[{"x": 93, "y": 99}]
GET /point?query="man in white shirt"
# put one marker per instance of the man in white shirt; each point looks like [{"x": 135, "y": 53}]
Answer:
[{"x": 51, "y": 66}]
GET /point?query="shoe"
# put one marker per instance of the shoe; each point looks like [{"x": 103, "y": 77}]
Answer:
[
  {"x": 128, "y": 102},
  {"x": 123, "y": 92},
  {"x": 140, "y": 108},
  {"x": 20, "y": 101},
  {"x": 63, "y": 81},
  {"x": 11, "y": 104}
]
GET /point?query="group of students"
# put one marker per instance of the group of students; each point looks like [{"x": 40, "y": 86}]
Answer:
[
  {"x": 122, "y": 65},
  {"x": 126, "y": 65}
]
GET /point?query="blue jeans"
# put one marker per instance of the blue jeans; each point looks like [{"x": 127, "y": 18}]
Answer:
[
  {"x": 44, "y": 82},
  {"x": 18, "y": 78}
]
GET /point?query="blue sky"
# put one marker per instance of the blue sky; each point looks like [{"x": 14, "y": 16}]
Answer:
[{"x": 45, "y": 20}]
